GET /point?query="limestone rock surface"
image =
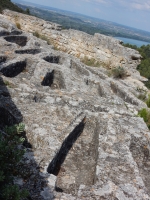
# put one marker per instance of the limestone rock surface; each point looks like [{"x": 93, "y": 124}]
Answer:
[
  {"x": 87, "y": 140},
  {"x": 106, "y": 50}
]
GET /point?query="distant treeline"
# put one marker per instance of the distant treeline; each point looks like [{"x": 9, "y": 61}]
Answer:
[{"x": 144, "y": 67}]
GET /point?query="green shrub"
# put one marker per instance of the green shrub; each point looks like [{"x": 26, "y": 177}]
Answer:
[
  {"x": 28, "y": 11},
  {"x": 10, "y": 155},
  {"x": 118, "y": 72},
  {"x": 145, "y": 114}
]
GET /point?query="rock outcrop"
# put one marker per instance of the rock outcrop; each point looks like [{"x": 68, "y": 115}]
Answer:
[
  {"x": 104, "y": 49},
  {"x": 86, "y": 137}
]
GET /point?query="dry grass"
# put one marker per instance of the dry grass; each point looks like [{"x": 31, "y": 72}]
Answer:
[
  {"x": 91, "y": 62},
  {"x": 43, "y": 37},
  {"x": 18, "y": 25}
]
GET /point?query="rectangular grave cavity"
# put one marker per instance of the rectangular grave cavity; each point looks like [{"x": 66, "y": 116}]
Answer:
[
  {"x": 28, "y": 51},
  {"x": 75, "y": 162},
  {"x": 52, "y": 59},
  {"x": 54, "y": 79},
  {"x": 13, "y": 69},
  {"x": 20, "y": 40}
]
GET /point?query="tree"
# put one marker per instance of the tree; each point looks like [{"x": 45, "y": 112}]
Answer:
[
  {"x": 10, "y": 156},
  {"x": 28, "y": 11}
]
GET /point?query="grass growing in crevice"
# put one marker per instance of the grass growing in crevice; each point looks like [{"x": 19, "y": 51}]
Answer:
[
  {"x": 91, "y": 62},
  {"x": 8, "y": 84},
  {"x": 43, "y": 37},
  {"x": 148, "y": 101},
  {"x": 18, "y": 25}
]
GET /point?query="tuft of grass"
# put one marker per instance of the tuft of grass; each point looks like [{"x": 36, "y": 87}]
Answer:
[
  {"x": 148, "y": 101},
  {"x": 56, "y": 48},
  {"x": 43, "y": 37},
  {"x": 107, "y": 64},
  {"x": 91, "y": 62},
  {"x": 18, "y": 25},
  {"x": 118, "y": 72},
  {"x": 8, "y": 84},
  {"x": 145, "y": 114},
  {"x": 36, "y": 34}
]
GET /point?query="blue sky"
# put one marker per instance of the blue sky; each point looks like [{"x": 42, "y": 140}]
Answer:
[{"x": 134, "y": 13}]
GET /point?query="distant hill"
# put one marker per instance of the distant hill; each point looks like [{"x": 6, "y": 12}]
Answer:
[
  {"x": 83, "y": 23},
  {"x": 7, "y": 4}
]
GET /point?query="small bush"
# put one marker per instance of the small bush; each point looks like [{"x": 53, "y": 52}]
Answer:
[
  {"x": 9, "y": 158},
  {"x": 18, "y": 25},
  {"x": 118, "y": 72},
  {"x": 28, "y": 11},
  {"x": 145, "y": 114}
]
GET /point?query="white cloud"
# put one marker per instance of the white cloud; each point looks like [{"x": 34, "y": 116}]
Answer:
[
  {"x": 135, "y": 4},
  {"x": 96, "y": 1},
  {"x": 128, "y": 4},
  {"x": 141, "y": 6}
]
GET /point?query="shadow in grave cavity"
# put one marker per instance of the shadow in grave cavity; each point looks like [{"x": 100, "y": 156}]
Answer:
[
  {"x": 55, "y": 165},
  {"x": 52, "y": 59},
  {"x": 48, "y": 79},
  {"x": 13, "y": 69}
]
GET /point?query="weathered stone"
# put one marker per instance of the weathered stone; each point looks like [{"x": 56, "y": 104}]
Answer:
[
  {"x": 105, "y": 49},
  {"x": 81, "y": 124}
]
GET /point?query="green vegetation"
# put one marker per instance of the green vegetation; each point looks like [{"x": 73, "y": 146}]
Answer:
[
  {"x": 8, "y": 84},
  {"x": 43, "y": 37},
  {"x": 28, "y": 11},
  {"x": 144, "y": 67},
  {"x": 145, "y": 114},
  {"x": 7, "y": 4},
  {"x": 10, "y": 156},
  {"x": 148, "y": 101},
  {"x": 90, "y": 62},
  {"x": 118, "y": 72}
]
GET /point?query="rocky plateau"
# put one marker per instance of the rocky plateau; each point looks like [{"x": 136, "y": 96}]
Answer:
[{"x": 84, "y": 138}]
